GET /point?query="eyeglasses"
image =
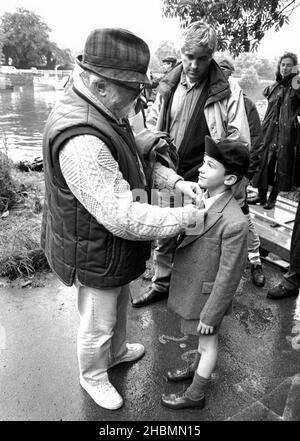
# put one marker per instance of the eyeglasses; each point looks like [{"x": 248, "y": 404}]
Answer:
[{"x": 139, "y": 89}]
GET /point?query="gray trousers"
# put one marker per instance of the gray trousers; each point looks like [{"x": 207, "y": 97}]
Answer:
[{"x": 102, "y": 331}]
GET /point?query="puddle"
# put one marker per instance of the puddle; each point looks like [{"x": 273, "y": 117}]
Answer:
[{"x": 297, "y": 309}]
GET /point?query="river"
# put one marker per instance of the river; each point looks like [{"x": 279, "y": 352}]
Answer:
[{"x": 23, "y": 113}]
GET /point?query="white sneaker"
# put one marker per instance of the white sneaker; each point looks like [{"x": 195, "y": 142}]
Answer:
[
  {"x": 104, "y": 393},
  {"x": 133, "y": 353}
]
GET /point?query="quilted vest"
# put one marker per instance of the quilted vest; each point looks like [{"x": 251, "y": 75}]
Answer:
[{"x": 74, "y": 243}]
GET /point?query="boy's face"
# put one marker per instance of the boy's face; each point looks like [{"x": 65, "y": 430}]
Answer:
[{"x": 212, "y": 175}]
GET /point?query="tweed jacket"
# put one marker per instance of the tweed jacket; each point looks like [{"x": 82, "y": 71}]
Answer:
[{"x": 208, "y": 266}]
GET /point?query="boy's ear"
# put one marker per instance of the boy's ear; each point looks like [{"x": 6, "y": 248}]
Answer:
[{"x": 230, "y": 180}]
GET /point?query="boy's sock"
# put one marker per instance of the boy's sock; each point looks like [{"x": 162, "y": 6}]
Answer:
[{"x": 197, "y": 389}]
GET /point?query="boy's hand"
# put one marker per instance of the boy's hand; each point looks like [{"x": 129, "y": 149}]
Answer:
[{"x": 205, "y": 329}]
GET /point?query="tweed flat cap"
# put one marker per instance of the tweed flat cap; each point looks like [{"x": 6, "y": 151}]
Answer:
[
  {"x": 234, "y": 155},
  {"x": 117, "y": 54}
]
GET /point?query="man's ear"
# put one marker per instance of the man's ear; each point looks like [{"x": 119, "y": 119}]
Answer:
[
  {"x": 230, "y": 180},
  {"x": 101, "y": 88}
]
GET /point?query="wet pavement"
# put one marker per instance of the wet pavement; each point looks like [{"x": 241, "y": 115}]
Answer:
[{"x": 257, "y": 375}]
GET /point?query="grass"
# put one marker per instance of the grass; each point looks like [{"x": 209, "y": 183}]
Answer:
[
  {"x": 7, "y": 186},
  {"x": 20, "y": 252}
]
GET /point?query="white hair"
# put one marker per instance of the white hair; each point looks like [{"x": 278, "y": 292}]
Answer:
[
  {"x": 91, "y": 80},
  {"x": 199, "y": 34}
]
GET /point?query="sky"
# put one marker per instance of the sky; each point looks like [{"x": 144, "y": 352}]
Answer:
[{"x": 72, "y": 21}]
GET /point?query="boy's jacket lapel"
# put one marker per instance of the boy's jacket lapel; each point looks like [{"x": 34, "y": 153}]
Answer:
[{"x": 214, "y": 213}]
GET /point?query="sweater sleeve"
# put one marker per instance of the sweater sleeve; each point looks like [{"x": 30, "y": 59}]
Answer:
[{"x": 94, "y": 177}]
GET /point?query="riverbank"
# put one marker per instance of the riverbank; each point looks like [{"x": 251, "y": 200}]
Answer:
[{"x": 22, "y": 262}]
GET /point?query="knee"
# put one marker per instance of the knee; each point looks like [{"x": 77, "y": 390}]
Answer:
[{"x": 208, "y": 344}]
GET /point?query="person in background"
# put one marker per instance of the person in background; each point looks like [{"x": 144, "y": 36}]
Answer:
[
  {"x": 281, "y": 161},
  {"x": 169, "y": 63},
  {"x": 256, "y": 150},
  {"x": 290, "y": 283},
  {"x": 97, "y": 224}
]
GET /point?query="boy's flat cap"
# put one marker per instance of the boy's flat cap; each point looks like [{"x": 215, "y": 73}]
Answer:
[{"x": 234, "y": 155}]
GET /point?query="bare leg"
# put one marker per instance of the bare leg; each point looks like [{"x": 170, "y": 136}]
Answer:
[{"x": 208, "y": 346}]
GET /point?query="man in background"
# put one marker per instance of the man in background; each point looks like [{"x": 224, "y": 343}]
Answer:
[
  {"x": 194, "y": 100},
  {"x": 256, "y": 147}
]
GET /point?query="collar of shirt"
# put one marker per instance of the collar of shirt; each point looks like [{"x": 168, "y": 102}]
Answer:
[
  {"x": 81, "y": 87},
  {"x": 209, "y": 201},
  {"x": 184, "y": 81}
]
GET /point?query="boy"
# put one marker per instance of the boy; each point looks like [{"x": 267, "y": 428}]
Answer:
[{"x": 208, "y": 267}]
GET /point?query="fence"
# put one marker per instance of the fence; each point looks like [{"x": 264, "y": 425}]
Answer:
[{"x": 21, "y": 77}]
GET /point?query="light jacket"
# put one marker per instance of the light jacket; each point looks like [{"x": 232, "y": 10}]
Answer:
[{"x": 224, "y": 109}]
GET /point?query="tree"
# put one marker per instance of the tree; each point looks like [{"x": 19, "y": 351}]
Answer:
[
  {"x": 1, "y": 43},
  {"x": 26, "y": 40},
  {"x": 164, "y": 49},
  {"x": 240, "y": 24},
  {"x": 56, "y": 56},
  {"x": 266, "y": 68},
  {"x": 249, "y": 79},
  {"x": 167, "y": 48}
]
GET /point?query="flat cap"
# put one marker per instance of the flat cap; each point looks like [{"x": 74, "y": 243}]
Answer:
[
  {"x": 234, "y": 155},
  {"x": 224, "y": 62},
  {"x": 169, "y": 59},
  {"x": 117, "y": 54}
]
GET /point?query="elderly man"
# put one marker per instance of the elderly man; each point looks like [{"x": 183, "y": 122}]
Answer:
[
  {"x": 95, "y": 232},
  {"x": 194, "y": 100}
]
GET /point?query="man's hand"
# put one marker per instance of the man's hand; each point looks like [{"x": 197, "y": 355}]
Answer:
[
  {"x": 199, "y": 200},
  {"x": 205, "y": 329},
  {"x": 188, "y": 188}
]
